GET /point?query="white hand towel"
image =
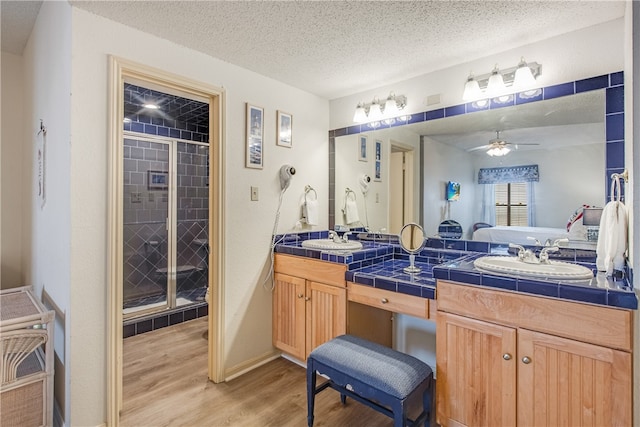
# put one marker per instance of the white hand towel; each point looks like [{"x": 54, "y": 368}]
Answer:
[
  {"x": 351, "y": 210},
  {"x": 612, "y": 238},
  {"x": 311, "y": 207}
]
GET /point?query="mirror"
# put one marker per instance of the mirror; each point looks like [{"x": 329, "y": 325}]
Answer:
[
  {"x": 569, "y": 127},
  {"x": 412, "y": 239}
]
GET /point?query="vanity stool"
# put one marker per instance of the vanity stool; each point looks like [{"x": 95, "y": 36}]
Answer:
[{"x": 384, "y": 379}]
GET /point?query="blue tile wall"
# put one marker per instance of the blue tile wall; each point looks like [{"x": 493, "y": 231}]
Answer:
[
  {"x": 183, "y": 119},
  {"x": 161, "y": 320}
]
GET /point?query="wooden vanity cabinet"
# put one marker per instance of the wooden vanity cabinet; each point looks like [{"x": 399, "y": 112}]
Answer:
[
  {"x": 309, "y": 304},
  {"x": 494, "y": 368}
]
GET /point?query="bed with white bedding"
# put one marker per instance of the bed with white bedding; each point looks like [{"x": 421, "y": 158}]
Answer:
[{"x": 520, "y": 235}]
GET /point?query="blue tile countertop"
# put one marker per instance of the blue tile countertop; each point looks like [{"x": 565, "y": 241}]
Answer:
[
  {"x": 381, "y": 264},
  {"x": 598, "y": 290}
]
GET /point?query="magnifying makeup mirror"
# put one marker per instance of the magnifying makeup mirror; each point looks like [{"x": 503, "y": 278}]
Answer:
[{"x": 412, "y": 240}]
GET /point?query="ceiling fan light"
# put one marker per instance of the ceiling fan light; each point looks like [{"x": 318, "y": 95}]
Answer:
[{"x": 498, "y": 151}]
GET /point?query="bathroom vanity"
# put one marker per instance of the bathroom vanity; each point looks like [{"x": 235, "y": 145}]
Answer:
[{"x": 511, "y": 350}]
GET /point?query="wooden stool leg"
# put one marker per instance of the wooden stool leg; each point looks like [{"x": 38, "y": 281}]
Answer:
[
  {"x": 399, "y": 414},
  {"x": 311, "y": 392}
]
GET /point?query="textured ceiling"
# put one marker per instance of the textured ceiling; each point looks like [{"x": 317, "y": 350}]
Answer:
[{"x": 337, "y": 48}]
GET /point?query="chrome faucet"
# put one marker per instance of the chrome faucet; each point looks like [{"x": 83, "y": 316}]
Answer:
[
  {"x": 556, "y": 242},
  {"x": 525, "y": 255},
  {"x": 345, "y": 236},
  {"x": 544, "y": 253},
  {"x": 334, "y": 236}
]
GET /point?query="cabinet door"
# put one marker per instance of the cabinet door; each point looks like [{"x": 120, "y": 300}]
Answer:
[
  {"x": 289, "y": 315},
  {"x": 476, "y": 372},
  {"x": 326, "y": 313},
  {"x": 569, "y": 383}
]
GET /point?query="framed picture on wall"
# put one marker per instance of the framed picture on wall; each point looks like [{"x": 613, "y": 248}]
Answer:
[
  {"x": 157, "y": 180},
  {"x": 362, "y": 148},
  {"x": 284, "y": 127},
  {"x": 377, "y": 176},
  {"x": 255, "y": 136}
]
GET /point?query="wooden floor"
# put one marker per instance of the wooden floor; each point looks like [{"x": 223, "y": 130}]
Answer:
[{"x": 165, "y": 384}]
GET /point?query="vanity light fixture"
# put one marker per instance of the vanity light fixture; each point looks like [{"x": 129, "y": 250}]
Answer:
[
  {"x": 377, "y": 111},
  {"x": 519, "y": 78},
  {"x": 151, "y": 106}
]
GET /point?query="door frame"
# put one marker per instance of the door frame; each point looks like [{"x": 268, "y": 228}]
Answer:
[{"x": 119, "y": 69}]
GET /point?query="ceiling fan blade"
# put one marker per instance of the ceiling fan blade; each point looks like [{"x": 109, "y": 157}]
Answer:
[
  {"x": 482, "y": 147},
  {"x": 525, "y": 143}
]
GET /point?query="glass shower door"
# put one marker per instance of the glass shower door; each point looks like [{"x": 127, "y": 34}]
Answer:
[
  {"x": 192, "y": 222},
  {"x": 147, "y": 266}
]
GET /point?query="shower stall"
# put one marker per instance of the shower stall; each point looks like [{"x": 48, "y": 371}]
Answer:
[{"x": 165, "y": 202}]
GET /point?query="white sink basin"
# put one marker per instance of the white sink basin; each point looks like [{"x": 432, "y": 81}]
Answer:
[
  {"x": 553, "y": 270},
  {"x": 330, "y": 245}
]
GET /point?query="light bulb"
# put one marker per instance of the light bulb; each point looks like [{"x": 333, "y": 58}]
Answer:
[
  {"x": 523, "y": 78},
  {"x": 360, "y": 115},
  {"x": 391, "y": 107},
  {"x": 495, "y": 86},
  {"x": 471, "y": 89},
  {"x": 375, "y": 113}
]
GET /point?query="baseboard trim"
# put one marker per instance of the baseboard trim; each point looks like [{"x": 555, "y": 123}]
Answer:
[{"x": 249, "y": 365}]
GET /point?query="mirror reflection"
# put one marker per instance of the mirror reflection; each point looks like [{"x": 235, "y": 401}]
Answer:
[{"x": 564, "y": 137}]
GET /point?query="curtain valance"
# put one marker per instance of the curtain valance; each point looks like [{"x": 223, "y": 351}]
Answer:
[{"x": 528, "y": 173}]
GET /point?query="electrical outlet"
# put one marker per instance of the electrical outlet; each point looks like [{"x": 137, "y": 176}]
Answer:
[
  {"x": 136, "y": 198},
  {"x": 152, "y": 197},
  {"x": 254, "y": 194}
]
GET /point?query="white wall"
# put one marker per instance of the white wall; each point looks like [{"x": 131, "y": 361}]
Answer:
[
  {"x": 443, "y": 163},
  {"x": 349, "y": 169},
  {"x": 47, "y": 236},
  {"x": 568, "y": 57},
  {"x": 12, "y": 272},
  {"x": 248, "y": 225}
]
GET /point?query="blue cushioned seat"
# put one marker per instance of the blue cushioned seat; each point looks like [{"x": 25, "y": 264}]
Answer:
[{"x": 380, "y": 377}]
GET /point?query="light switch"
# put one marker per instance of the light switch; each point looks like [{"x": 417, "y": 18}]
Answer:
[{"x": 254, "y": 194}]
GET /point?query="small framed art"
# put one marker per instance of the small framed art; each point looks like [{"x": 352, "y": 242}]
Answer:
[
  {"x": 362, "y": 148},
  {"x": 157, "y": 180},
  {"x": 284, "y": 128},
  {"x": 255, "y": 136},
  {"x": 378, "y": 172}
]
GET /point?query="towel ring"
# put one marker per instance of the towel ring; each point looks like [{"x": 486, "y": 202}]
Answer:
[{"x": 307, "y": 190}]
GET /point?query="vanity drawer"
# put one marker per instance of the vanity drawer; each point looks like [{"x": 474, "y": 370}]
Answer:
[
  {"x": 388, "y": 300},
  {"x": 311, "y": 269}
]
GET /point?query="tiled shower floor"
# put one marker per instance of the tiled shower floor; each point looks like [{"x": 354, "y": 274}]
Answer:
[
  {"x": 196, "y": 307},
  {"x": 192, "y": 295}
]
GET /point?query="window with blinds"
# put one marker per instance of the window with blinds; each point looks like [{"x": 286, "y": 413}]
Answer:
[{"x": 511, "y": 204}]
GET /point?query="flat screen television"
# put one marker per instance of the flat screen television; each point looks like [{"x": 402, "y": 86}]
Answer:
[{"x": 453, "y": 191}]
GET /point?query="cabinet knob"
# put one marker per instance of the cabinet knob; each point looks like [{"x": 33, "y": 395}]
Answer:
[
  {"x": 307, "y": 299},
  {"x": 300, "y": 295},
  {"x": 384, "y": 300},
  {"x": 526, "y": 360},
  {"x": 506, "y": 356}
]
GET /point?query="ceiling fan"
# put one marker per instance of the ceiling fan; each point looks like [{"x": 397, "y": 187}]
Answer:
[{"x": 498, "y": 146}]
